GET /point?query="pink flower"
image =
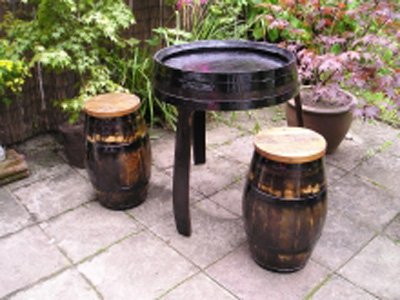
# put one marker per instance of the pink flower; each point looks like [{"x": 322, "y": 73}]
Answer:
[{"x": 180, "y": 3}]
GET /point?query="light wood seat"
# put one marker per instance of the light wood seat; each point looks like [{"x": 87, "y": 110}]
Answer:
[
  {"x": 112, "y": 105},
  {"x": 291, "y": 145}
]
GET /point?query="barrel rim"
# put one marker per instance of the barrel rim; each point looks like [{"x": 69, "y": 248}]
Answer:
[
  {"x": 285, "y": 55},
  {"x": 233, "y": 82}
]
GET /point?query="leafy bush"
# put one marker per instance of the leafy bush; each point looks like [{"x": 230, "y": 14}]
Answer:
[
  {"x": 12, "y": 74},
  {"x": 83, "y": 37}
]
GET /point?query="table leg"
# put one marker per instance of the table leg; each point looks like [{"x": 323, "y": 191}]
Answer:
[
  {"x": 299, "y": 111},
  {"x": 199, "y": 137},
  {"x": 181, "y": 174}
]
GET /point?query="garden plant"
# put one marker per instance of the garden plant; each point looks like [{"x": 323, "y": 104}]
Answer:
[
  {"x": 339, "y": 44},
  {"x": 349, "y": 44},
  {"x": 352, "y": 45},
  {"x": 82, "y": 37}
]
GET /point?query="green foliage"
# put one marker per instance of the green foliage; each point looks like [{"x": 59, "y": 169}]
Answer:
[
  {"x": 12, "y": 75},
  {"x": 83, "y": 37},
  {"x": 302, "y": 21},
  {"x": 386, "y": 106},
  {"x": 215, "y": 20},
  {"x": 135, "y": 75}
]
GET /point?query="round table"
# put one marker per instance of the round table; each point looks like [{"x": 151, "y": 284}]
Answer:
[{"x": 217, "y": 76}]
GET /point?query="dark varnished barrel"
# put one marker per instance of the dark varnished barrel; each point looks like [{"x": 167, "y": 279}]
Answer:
[
  {"x": 118, "y": 154},
  {"x": 285, "y": 197}
]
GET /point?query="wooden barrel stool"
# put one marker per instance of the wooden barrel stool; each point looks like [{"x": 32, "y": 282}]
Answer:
[
  {"x": 118, "y": 154},
  {"x": 285, "y": 197}
]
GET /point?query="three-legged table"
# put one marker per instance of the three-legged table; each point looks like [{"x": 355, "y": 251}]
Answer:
[{"x": 217, "y": 76}]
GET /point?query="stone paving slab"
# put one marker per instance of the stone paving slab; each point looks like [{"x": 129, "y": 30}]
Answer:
[
  {"x": 43, "y": 161},
  {"x": 27, "y": 257},
  {"x": 88, "y": 229},
  {"x": 357, "y": 199},
  {"x": 215, "y": 175},
  {"x": 341, "y": 238},
  {"x": 333, "y": 173},
  {"x": 51, "y": 196},
  {"x": 65, "y": 286},
  {"x": 362, "y": 139},
  {"x": 393, "y": 230},
  {"x": 158, "y": 204},
  {"x": 13, "y": 216},
  {"x": 41, "y": 168},
  {"x": 387, "y": 161},
  {"x": 140, "y": 267},
  {"x": 39, "y": 144},
  {"x": 240, "y": 149},
  {"x": 216, "y": 232},
  {"x": 162, "y": 145},
  {"x": 199, "y": 287},
  {"x": 376, "y": 268},
  {"x": 253, "y": 120},
  {"x": 238, "y": 273},
  {"x": 231, "y": 197},
  {"x": 220, "y": 135},
  {"x": 337, "y": 288}
]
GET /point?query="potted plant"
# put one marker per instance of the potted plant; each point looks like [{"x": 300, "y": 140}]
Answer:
[
  {"x": 339, "y": 44},
  {"x": 327, "y": 108}
]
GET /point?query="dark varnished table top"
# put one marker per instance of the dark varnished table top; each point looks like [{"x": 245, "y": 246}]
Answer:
[{"x": 225, "y": 75}]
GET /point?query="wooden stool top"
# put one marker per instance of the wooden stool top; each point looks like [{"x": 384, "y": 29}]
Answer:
[
  {"x": 292, "y": 145},
  {"x": 112, "y": 105}
]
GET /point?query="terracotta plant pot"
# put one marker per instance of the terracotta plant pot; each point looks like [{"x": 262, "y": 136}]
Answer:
[
  {"x": 73, "y": 140},
  {"x": 332, "y": 122}
]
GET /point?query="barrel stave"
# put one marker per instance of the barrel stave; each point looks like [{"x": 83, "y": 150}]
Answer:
[
  {"x": 284, "y": 207},
  {"x": 118, "y": 159}
]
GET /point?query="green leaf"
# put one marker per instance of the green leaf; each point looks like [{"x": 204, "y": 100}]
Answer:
[
  {"x": 388, "y": 55},
  {"x": 336, "y": 49},
  {"x": 295, "y": 22},
  {"x": 273, "y": 34},
  {"x": 258, "y": 33}
]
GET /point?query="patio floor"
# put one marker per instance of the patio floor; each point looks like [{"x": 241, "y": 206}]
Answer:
[{"x": 57, "y": 243}]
